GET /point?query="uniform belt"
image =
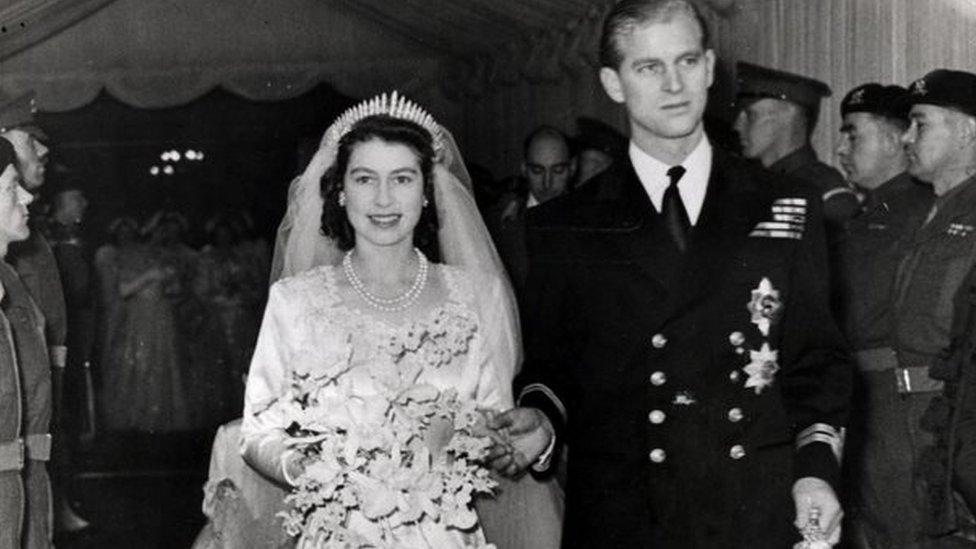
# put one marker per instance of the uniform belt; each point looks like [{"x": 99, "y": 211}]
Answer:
[
  {"x": 13, "y": 453},
  {"x": 914, "y": 379}
]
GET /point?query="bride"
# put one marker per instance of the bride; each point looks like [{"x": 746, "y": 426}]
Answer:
[{"x": 384, "y": 261}]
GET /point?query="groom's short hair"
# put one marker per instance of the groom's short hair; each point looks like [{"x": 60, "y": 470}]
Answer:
[{"x": 628, "y": 14}]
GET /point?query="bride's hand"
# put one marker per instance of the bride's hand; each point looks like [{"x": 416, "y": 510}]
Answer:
[{"x": 529, "y": 433}]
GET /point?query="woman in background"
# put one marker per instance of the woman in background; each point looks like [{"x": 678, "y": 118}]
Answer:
[
  {"x": 230, "y": 284},
  {"x": 143, "y": 385}
]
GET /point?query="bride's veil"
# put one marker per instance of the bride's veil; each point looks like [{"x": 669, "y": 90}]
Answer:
[{"x": 463, "y": 238}]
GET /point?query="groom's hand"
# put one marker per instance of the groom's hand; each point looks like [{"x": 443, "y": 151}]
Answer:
[
  {"x": 529, "y": 433},
  {"x": 813, "y": 493}
]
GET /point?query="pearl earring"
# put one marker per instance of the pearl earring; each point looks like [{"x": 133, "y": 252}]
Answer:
[
  {"x": 425, "y": 202},
  {"x": 342, "y": 199}
]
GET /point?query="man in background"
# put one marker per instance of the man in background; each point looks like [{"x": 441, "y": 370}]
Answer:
[
  {"x": 928, "y": 348},
  {"x": 778, "y": 112},
  {"x": 34, "y": 261},
  {"x": 881, "y": 455},
  {"x": 66, "y": 233},
  {"x": 547, "y": 170}
]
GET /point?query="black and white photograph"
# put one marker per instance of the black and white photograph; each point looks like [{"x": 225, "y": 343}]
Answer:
[{"x": 488, "y": 274}]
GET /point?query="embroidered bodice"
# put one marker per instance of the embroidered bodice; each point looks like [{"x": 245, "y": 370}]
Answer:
[{"x": 449, "y": 339}]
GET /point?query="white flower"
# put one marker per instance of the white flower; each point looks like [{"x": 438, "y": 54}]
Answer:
[
  {"x": 407, "y": 454},
  {"x": 762, "y": 368}
]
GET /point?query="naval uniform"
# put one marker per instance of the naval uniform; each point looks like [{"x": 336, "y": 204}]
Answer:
[
  {"x": 692, "y": 388},
  {"x": 839, "y": 200}
]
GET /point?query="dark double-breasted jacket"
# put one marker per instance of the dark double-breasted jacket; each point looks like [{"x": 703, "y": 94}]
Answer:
[{"x": 692, "y": 389}]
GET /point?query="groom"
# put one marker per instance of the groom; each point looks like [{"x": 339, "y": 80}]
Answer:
[{"x": 678, "y": 336}]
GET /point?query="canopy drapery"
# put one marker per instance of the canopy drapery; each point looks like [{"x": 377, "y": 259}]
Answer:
[
  {"x": 25, "y": 23},
  {"x": 159, "y": 54},
  {"x": 155, "y": 54},
  {"x": 491, "y": 69}
]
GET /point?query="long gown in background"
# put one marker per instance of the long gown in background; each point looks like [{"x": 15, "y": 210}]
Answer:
[
  {"x": 123, "y": 233},
  {"x": 231, "y": 287},
  {"x": 308, "y": 326},
  {"x": 143, "y": 384}
]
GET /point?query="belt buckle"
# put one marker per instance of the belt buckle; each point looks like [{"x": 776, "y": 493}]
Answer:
[{"x": 903, "y": 380}]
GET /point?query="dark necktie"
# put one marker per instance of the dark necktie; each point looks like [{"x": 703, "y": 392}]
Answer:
[{"x": 673, "y": 210}]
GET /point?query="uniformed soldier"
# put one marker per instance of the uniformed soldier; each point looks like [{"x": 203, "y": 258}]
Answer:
[
  {"x": 34, "y": 260},
  {"x": 74, "y": 259},
  {"x": 777, "y": 114},
  {"x": 880, "y": 457},
  {"x": 25, "y": 384},
  {"x": 677, "y": 325},
  {"x": 937, "y": 257}
]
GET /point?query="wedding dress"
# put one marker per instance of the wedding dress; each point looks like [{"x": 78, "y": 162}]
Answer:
[
  {"x": 313, "y": 319},
  {"x": 309, "y": 327}
]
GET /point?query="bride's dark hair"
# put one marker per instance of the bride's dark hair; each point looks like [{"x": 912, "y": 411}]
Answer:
[{"x": 335, "y": 223}]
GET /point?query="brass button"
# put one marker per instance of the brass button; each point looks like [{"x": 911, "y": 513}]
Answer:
[
  {"x": 735, "y": 415},
  {"x": 734, "y": 376},
  {"x": 737, "y": 452},
  {"x": 656, "y": 417},
  {"x": 737, "y": 339},
  {"x": 659, "y": 341},
  {"x": 658, "y": 455},
  {"x": 658, "y": 378}
]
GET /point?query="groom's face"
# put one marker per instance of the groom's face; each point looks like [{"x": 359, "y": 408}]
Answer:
[{"x": 663, "y": 77}]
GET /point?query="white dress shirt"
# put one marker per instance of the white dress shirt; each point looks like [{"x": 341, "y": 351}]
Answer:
[{"x": 653, "y": 175}]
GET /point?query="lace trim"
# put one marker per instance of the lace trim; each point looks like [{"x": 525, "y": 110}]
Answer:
[{"x": 439, "y": 334}]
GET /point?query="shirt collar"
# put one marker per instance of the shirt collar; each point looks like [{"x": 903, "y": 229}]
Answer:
[
  {"x": 645, "y": 164},
  {"x": 653, "y": 175}
]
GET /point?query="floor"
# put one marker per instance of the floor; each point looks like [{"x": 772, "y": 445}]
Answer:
[{"x": 140, "y": 491}]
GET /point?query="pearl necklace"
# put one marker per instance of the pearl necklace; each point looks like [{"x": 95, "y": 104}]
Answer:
[{"x": 392, "y": 304}]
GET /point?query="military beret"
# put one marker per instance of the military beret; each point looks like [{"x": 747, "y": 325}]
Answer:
[
  {"x": 598, "y": 135},
  {"x": 18, "y": 112},
  {"x": 874, "y": 98},
  {"x": 945, "y": 88},
  {"x": 755, "y": 82}
]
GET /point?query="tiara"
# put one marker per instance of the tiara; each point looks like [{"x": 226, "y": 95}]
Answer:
[{"x": 394, "y": 105}]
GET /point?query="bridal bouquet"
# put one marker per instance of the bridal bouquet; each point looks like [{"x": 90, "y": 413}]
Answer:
[{"x": 407, "y": 454}]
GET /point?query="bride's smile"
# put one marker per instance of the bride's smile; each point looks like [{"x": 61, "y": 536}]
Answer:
[{"x": 383, "y": 186}]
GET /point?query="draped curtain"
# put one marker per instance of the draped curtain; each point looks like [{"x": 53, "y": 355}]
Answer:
[
  {"x": 152, "y": 54},
  {"x": 24, "y": 23},
  {"x": 849, "y": 42},
  {"x": 490, "y": 69},
  {"x": 498, "y": 100}
]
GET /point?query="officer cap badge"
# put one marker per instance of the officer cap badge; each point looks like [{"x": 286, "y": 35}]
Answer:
[{"x": 918, "y": 87}]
